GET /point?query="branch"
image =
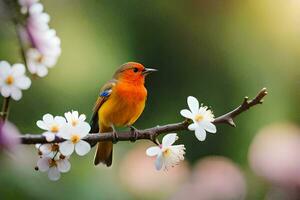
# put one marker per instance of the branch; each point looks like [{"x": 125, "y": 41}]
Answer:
[
  {"x": 5, "y": 108},
  {"x": 22, "y": 47},
  {"x": 228, "y": 117},
  {"x": 152, "y": 133}
]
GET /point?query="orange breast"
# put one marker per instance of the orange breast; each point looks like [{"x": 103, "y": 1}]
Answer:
[{"x": 124, "y": 106}]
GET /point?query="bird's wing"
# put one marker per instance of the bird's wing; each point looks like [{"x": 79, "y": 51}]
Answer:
[{"x": 103, "y": 96}]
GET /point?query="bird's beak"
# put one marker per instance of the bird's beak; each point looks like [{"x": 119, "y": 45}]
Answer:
[{"x": 147, "y": 71}]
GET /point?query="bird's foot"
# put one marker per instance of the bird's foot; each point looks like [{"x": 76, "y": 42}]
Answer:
[
  {"x": 134, "y": 133},
  {"x": 115, "y": 137}
]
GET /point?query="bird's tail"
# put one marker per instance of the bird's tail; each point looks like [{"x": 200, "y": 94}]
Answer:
[{"x": 104, "y": 149}]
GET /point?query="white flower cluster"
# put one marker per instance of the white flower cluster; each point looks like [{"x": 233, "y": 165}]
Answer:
[
  {"x": 54, "y": 158},
  {"x": 42, "y": 51},
  {"x": 168, "y": 154},
  {"x": 42, "y": 41}
]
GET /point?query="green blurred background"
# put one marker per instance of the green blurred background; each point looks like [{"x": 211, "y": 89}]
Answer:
[{"x": 215, "y": 50}]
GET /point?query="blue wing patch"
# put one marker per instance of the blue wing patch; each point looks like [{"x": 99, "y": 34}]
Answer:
[{"x": 105, "y": 93}]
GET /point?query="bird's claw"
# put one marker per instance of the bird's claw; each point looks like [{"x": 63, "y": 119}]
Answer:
[
  {"x": 115, "y": 137},
  {"x": 134, "y": 133}
]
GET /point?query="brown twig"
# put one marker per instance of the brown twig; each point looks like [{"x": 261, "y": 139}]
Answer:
[
  {"x": 22, "y": 47},
  {"x": 17, "y": 20},
  {"x": 152, "y": 133},
  {"x": 12, "y": 7},
  {"x": 228, "y": 117},
  {"x": 5, "y": 109}
]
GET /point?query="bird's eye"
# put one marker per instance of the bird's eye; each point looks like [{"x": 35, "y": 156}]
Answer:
[{"x": 135, "y": 70}]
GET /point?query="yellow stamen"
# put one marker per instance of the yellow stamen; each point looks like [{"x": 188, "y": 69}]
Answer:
[
  {"x": 39, "y": 59},
  {"x": 199, "y": 118},
  {"x": 75, "y": 138},
  {"x": 9, "y": 80},
  {"x": 74, "y": 122},
  {"x": 54, "y": 129},
  {"x": 167, "y": 152}
]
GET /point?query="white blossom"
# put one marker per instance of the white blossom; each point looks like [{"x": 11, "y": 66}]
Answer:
[
  {"x": 44, "y": 43},
  {"x": 26, "y": 4},
  {"x": 202, "y": 118},
  {"x": 13, "y": 80},
  {"x": 74, "y": 135},
  {"x": 52, "y": 125},
  {"x": 38, "y": 63},
  {"x": 168, "y": 155},
  {"x": 9, "y": 137},
  {"x": 54, "y": 166},
  {"x": 74, "y": 119},
  {"x": 47, "y": 149}
]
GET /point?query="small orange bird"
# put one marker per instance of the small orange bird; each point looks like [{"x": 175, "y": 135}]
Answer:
[{"x": 121, "y": 101}]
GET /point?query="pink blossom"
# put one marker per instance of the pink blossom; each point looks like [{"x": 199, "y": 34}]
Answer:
[
  {"x": 214, "y": 178},
  {"x": 274, "y": 154},
  {"x": 8, "y": 136}
]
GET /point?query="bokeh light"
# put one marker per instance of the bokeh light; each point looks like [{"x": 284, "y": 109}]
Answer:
[
  {"x": 214, "y": 178},
  {"x": 139, "y": 176},
  {"x": 274, "y": 154}
]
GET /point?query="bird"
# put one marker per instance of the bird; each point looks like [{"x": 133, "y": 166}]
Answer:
[{"x": 120, "y": 103}]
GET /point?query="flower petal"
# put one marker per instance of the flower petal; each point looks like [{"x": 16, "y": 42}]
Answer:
[
  {"x": 49, "y": 136},
  {"x": 209, "y": 127},
  {"x": 84, "y": 129},
  {"x": 23, "y": 83},
  {"x": 200, "y": 133},
  {"x": 18, "y": 70},
  {"x": 4, "y": 69},
  {"x": 53, "y": 174},
  {"x": 48, "y": 118},
  {"x": 186, "y": 113},
  {"x": 82, "y": 117},
  {"x": 192, "y": 126},
  {"x": 32, "y": 67},
  {"x": 82, "y": 148},
  {"x": 193, "y": 104},
  {"x": 36, "y": 8},
  {"x": 45, "y": 148},
  {"x": 159, "y": 162},
  {"x": 75, "y": 114},
  {"x": 5, "y": 91},
  {"x": 153, "y": 151},
  {"x": 41, "y": 124},
  {"x": 169, "y": 139},
  {"x": 68, "y": 116},
  {"x": 66, "y": 148},
  {"x": 42, "y": 71},
  {"x": 43, "y": 164},
  {"x": 60, "y": 120},
  {"x": 16, "y": 93},
  {"x": 63, "y": 165},
  {"x": 66, "y": 132}
]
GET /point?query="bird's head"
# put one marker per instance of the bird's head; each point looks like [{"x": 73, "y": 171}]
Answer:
[{"x": 133, "y": 72}]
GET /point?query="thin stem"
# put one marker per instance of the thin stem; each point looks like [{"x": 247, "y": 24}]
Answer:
[
  {"x": 13, "y": 6},
  {"x": 22, "y": 47},
  {"x": 228, "y": 117},
  {"x": 14, "y": 17},
  {"x": 5, "y": 108}
]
